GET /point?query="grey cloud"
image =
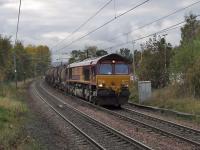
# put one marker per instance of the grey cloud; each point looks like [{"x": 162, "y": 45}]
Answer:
[{"x": 55, "y": 18}]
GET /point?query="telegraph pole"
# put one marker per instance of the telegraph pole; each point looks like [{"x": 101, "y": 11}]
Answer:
[
  {"x": 15, "y": 68},
  {"x": 165, "y": 53},
  {"x": 133, "y": 42},
  {"x": 165, "y": 48},
  {"x": 14, "y": 57}
]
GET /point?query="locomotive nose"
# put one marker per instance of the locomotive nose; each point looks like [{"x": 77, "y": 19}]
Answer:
[{"x": 113, "y": 83}]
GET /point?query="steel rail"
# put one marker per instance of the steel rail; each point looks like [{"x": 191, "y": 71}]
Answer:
[
  {"x": 124, "y": 137},
  {"x": 68, "y": 121},
  {"x": 166, "y": 122},
  {"x": 132, "y": 120}
]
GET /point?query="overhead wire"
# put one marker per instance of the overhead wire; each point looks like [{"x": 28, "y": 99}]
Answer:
[
  {"x": 149, "y": 35},
  {"x": 108, "y": 22},
  {"x": 18, "y": 20},
  {"x": 84, "y": 23},
  {"x": 157, "y": 20}
]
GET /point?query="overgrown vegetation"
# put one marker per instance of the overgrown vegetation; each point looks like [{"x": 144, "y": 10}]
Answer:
[
  {"x": 154, "y": 66},
  {"x": 169, "y": 98},
  {"x": 30, "y": 60},
  {"x": 88, "y": 52},
  {"x": 93, "y": 51},
  {"x": 174, "y": 72},
  {"x": 13, "y": 115},
  {"x": 185, "y": 62}
]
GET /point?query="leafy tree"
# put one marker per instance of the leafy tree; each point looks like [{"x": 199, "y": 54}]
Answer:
[
  {"x": 193, "y": 78},
  {"x": 28, "y": 59},
  {"x": 40, "y": 58},
  {"x": 88, "y": 52},
  {"x": 77, "y": 55},
  {"x": 5, "y": 58},
  {"x": 190, "y": 29},
  {"x": 188, "y": 51},
  {"x": 155, "y": 62},
  {"x": 22, "y": 61},
  {"x": 184, "y": 66},
  {"x": 101, "y": 53},
  {"x": 126, "y": 53}
]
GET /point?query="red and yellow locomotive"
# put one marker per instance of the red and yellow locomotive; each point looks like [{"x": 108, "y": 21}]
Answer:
[{"x": 104, "y": 80}]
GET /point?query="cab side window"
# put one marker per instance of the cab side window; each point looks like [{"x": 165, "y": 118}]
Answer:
[{"x": 86, "y": 73}]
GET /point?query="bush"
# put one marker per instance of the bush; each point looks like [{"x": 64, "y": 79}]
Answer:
[
  {"x": 134, "y": 97},
  {"x": 172, "y": 97},
  {"x": 193, "y": 79}
]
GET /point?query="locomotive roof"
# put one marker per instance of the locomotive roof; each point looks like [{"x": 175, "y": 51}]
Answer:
[{"x": 94, "y": 61}]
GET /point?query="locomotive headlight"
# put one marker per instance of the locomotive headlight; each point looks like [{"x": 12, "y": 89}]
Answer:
[
  {"x": 125, "y": 84},
  {"x": 100, "y": 85}
]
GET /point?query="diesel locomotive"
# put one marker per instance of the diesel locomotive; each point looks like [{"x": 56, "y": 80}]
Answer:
[{"x": 104, "y": 80}]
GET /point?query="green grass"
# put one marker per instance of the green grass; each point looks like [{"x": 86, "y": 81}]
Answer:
[
  {"x": 13, "y": 116},
  {"x": 169, "y": 99},
  {"x": 134, "y": 96},
  {"x": 172, "y": 98}
]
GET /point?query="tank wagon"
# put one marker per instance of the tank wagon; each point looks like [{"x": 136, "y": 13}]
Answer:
[{"x": 104, "y": 80}]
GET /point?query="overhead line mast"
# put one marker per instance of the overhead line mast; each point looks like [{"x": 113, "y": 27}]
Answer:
[{"x": 16, "y": 36}]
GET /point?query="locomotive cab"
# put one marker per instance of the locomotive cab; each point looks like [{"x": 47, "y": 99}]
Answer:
[{"x": 112, "y": 80}]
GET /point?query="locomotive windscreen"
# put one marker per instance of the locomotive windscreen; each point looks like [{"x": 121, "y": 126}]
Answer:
[
  {"x": 105, "y": 69},
  {"x": 108, "y": 69},
  {"x": 121, "y": 69}
]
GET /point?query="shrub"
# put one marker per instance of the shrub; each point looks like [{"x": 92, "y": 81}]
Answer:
[{"x": 193, "y": 79}]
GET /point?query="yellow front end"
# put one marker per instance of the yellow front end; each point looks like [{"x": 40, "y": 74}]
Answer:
[
  {"x": 113, "y": 89},
  {"x": 114, "y": 82}
]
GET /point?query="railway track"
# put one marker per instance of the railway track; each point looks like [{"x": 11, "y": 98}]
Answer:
[
  {"x": 186, "y": 133},
  {"x": 97, "y": 134},
  {"x": 163, "y": 127},
  {"x": 82, "y": 138}
]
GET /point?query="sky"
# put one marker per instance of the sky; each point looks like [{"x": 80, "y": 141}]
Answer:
[{"x": 50, "y": 21}]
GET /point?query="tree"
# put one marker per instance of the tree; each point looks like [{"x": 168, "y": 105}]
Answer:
[
  {"x": 28, "y": 59},
  {"x": 23, "y": 62},
  {"x": 193, "y": 78},
  {"x": 40, "y": 58},
  {"x": 186, "y": 57},
  {"x": 5, "y": 58},
  {"x": 101, "y": 53},
  {"x": 88, "y": 52},
  {"x": 125, "y": 52},
  {"x": 155, "y": 62},
  {"x": 77, "y": 55},
  {"x": 190, "y": 29},
  {"x": 188, "y": 51}
]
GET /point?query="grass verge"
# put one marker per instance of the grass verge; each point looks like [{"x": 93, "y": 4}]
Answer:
[
  {"x": 171, "y": 98},
  {"x": 167, "y": 98},
  {"x": 13, "y": 116}
]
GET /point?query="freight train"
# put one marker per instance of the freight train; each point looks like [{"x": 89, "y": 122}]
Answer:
[{"x": 103, "y": 81}]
